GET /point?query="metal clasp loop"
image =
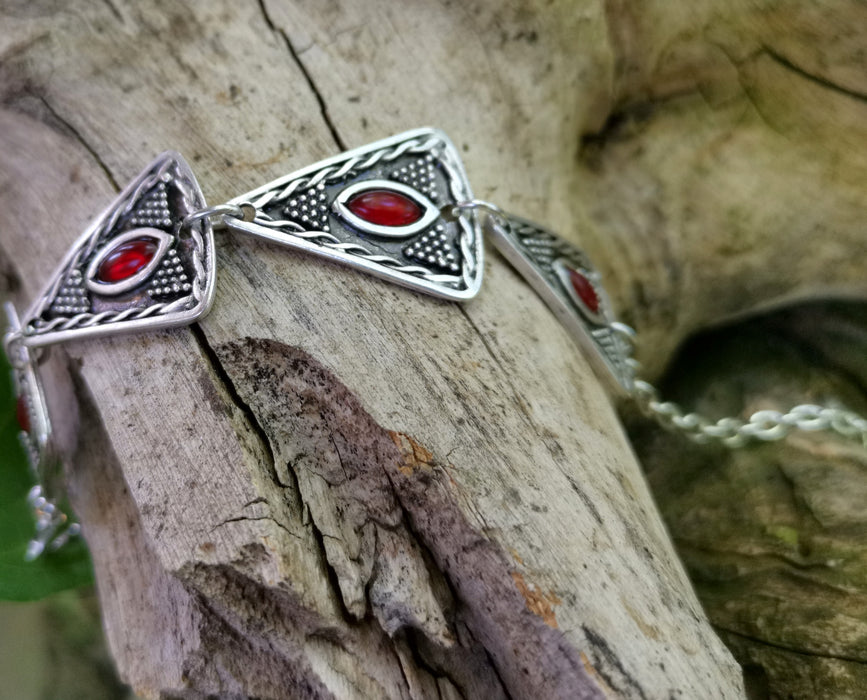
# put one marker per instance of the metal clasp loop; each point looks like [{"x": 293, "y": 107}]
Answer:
[
  {"x": 13, "y": 339},
  {"x": 244, "y": 211},
  {"x": 488, "y": 208}
]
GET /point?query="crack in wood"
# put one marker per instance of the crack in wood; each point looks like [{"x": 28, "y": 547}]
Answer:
[
  {"x": 225, "y": 630},
  {"x": 818, "y": 79},
  {"x": 624, "y": 682},
  {"x": 114, "y": 10},
  {"x": 220, "y": 374},
  {"x": 305, "y": 406},
  {"x": 458, "y": 554},
  {"x": 494, "y": 666},
  {"x": 622, "y": 119},
  {"x": 585, "y": 499},
  {"x": 247, "y": 518},
  {"x": 430, "y": 669},
  {"x": 319, "y": 536},
  {"x": 76, "y": 134},
  {"x": 323, "y": 107},
  {"x": 231, "y": 390},
  {"x": 792, "y": 650}
]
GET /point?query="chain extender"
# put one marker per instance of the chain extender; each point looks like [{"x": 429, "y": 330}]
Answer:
[{"x": 765, "y": 425}]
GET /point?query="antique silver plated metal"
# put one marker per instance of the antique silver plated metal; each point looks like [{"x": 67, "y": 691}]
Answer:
[
  {"x": 569, "y": 284},
  {"x": 53, "y": 526},
  {"x": 385, "y": 208},
  {"x": 161, "y": 239},
  {"x": 430, "y": 212},
  {"x": 565, "y": 279},
  {"x": 137, "y": 267},
  {"x": 142, "y": 264}
]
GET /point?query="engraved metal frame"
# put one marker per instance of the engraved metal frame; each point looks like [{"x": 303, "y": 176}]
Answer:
[
  {"x": 541, "y": 257},
  {"x": 431, "y": 211},
  {"x": 561, "y": 268},
  {"x": 28, "y": 389},
  {"x": 40, "y": 327},
  {"x": 366, "y": 254},
  {"x": 52, "y": 526},
  {"x": 163, "y": 240}
]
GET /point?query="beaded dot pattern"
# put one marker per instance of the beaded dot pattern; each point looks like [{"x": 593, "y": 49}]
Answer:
[
  {"x": 72, "y": 296},
  {"x": 309, "y": 208},
  {"x": 420, "y": 174},
  {"x": 543, "y": 252},
  {"x": 434, "y": 249},
  {"x": 153, "y": 210},
  {"x": 170, "y": 278}
]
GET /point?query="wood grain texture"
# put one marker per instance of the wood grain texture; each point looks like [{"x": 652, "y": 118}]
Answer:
[
  {"x": 440, "y": 496},
  {"x": 773, "y": 536}
]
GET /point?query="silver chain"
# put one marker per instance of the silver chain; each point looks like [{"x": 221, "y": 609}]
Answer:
[{"x": 765, "y": 425}]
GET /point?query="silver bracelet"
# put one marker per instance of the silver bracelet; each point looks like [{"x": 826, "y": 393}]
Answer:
[
  {"x": 400, "y": 208},
  {"x": 566, "y": 280}
]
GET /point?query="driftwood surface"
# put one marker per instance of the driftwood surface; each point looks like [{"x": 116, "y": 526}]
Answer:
[
  {"x": 333, "y": 486},
  {"x": 773, "y": 537}
]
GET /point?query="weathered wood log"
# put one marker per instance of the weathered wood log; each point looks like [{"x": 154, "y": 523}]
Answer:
[
  {"x": 56, "y": 646},
  {"x": 773, "y": 537},
  {"x": 335, "y": 486}
]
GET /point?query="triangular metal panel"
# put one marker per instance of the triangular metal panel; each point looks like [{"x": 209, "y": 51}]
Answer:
[
  {"x": 432, "y": 249},
  {"x": 135, "y": 267},
  {"x": 569, "y": 284}
]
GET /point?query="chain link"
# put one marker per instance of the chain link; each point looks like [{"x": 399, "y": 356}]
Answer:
[
  {"x": 765, "y": 425},
  {"x": 762, "y": 425}
]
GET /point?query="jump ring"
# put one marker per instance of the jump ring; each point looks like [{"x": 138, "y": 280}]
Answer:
[
  {"x": 244, "y": 211},
  {"x": 479, "y": 204}
]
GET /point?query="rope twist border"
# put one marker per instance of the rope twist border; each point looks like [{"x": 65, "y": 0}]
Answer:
[
  {"x": 467, "y": 239},
  {"x": 36, "y": 327}
]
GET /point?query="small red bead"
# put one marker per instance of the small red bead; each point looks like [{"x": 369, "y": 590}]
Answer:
[
  {"x": 22, "y": 413},
  {"x": 584, "y": 289},
  {"x": 126, "y": 260},
  {"x": 385, "y": 208}
]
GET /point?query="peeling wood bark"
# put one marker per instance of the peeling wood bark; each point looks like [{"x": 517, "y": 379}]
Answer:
[
  {"x": 395, "y": 539},
  {"x": 471, "y": 489}
]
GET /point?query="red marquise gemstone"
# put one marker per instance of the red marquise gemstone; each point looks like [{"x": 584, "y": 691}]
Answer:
[
  {"x": 126, "y": 260},
  {"x": 584, "y": 289},
  {"x": 385, "y": 208},
  {"x": 22, "y": 413}
]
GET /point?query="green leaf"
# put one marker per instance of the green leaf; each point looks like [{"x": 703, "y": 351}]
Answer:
[{"x": 68, "y": 567}]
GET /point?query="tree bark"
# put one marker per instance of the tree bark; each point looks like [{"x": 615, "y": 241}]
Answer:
[{"x": 335, "y": 487}]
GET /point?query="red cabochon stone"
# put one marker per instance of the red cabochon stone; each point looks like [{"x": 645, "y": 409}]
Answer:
[
  {"x": 22, "y": 414},
  {"x": 584, "y": 290},
  {"x": 385, "y": 208},
  {"x": 126, "y": 260}
]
